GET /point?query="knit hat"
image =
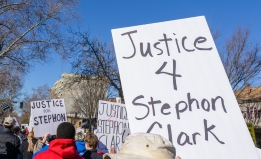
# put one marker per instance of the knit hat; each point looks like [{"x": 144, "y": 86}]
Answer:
[
  {"x": 9, "y": 121},
  {"x": 144, "y": 146}
]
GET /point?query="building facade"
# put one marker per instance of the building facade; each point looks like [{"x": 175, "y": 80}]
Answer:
[
  {"x": 249, "y": 101},
  {"x": 80, "y": 94}
]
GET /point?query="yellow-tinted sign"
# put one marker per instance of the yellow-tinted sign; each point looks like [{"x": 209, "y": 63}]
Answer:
[{"x": 252, "y": 132}]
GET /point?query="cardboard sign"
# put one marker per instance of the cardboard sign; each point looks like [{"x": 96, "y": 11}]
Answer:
[
  {"x": 174, "y": 84},
  {"x": 23, "y": 126},
  {"x": 79, "y": 130},
  {"x": 47, "y": 115},
  {"x": 112, "y": 126}
]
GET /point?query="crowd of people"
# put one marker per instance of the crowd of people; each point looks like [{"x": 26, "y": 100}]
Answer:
[{"x": 16, "y": 143}]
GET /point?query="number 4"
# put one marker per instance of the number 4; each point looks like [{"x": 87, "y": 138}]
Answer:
[{"x": 174, "y": 75}]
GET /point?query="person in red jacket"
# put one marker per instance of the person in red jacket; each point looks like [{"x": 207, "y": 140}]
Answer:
[{"x": 63, "y": 146}]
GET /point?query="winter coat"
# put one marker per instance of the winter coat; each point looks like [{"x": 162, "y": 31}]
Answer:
[
  {"x": 80, "y": 147},
  {"x": 91, "y": 154},
  {"x": 24, "y": 149},
  {"x": 59, "y": 149},
  {"x": 9, "y": 144},
  {"x": 79, "y": 144},
  {"x": 44, "y": 148},
  {"x": 1, "y": 127}
]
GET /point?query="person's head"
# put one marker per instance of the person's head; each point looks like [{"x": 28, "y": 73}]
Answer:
[
  {"x": 65, "y": 131},
  {"x": 16, "y": 130},
  {"x": 31, "y": 134},
  {"x": 22, "y": 131},
  {"x": 79, "y": 136},
  {"x": 145, "y": 146},
  {"x": 91, "y": 141},
  {"x": 9, "y": 122}
]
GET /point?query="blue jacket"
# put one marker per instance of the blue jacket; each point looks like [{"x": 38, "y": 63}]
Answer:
[
  {"x": 79, "y": 144},
  {"x": 80, "y": 147}
]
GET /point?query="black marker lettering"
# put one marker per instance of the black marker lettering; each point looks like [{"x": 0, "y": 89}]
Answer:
[
  {"x": 134, "y": 48},
  {"x": 201, "y": 40},
  {"x": 166, "y": 42},
  {"x": 148, "y": 51},
  {"x": 140, "y": 104},
  {"x": 183, "y": 44}
]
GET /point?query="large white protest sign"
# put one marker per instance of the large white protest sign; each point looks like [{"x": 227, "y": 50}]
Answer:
[
  {"x": 47, "y": 115},
  {"x": 112, "y": 126},
  {"x": 258, "y": 151},
  {"x": 24, "y": 126},
  {"x": 174, "y": 84}
]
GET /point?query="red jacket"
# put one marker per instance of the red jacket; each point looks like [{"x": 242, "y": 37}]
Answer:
[{"x": 59, "y": 149}]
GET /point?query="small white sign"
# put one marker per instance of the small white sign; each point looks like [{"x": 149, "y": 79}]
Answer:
[
  {"x": 23, "y": 126},
  {"x": 47, "y": 115},
  {"x": 79, "y": 129},
  {"x": 112, "y": 126},
  {"x": 16, "y": 123},
  {"x": 174, "y": 84}
]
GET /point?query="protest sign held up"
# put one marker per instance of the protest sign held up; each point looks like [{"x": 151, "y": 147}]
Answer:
[
  {"x": 16, "y": 123},
  {"x": 175, "y": 85},
  {"x": 47, "y": 115},
  {"x": 112, "y": 126}
]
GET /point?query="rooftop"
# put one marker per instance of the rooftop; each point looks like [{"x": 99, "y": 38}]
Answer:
[{"x": 249, "y": 94}]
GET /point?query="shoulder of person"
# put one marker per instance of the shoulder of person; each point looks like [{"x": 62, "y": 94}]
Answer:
[
  {"x": 99, "y": 156},
  {"x": 44, "y": 154},
  {"x": 24, "y": 139},
  {"x": 16, "y": 138},
  {"x": 86, "y": 153}
]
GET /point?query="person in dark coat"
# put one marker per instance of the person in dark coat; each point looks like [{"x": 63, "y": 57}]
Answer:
[
  {"x": 29, "y": 146},
  {"x": 91, "y": 142},
  {"x": 9, "y": 143},
  {"x": 16, "y": 131},
  {"x": 1, "y": 126},
  {"x": 22, "y": 134}
]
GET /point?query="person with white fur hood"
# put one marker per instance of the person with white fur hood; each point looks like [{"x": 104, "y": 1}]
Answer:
[{"x": 145, "y": 146}]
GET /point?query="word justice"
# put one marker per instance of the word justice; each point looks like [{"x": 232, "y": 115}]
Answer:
[{"x": 166, "y": 41}]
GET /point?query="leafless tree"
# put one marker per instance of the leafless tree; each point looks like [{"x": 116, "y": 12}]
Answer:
[
  {"x": 31, "y": 30},
  {"x": 39, "y": 93},
  {"x": 10, "y": 86},
  {"x": 87, "y": 96},
  {"x": 241, "y": 59},
  {"x": 95, "y": 58}
]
